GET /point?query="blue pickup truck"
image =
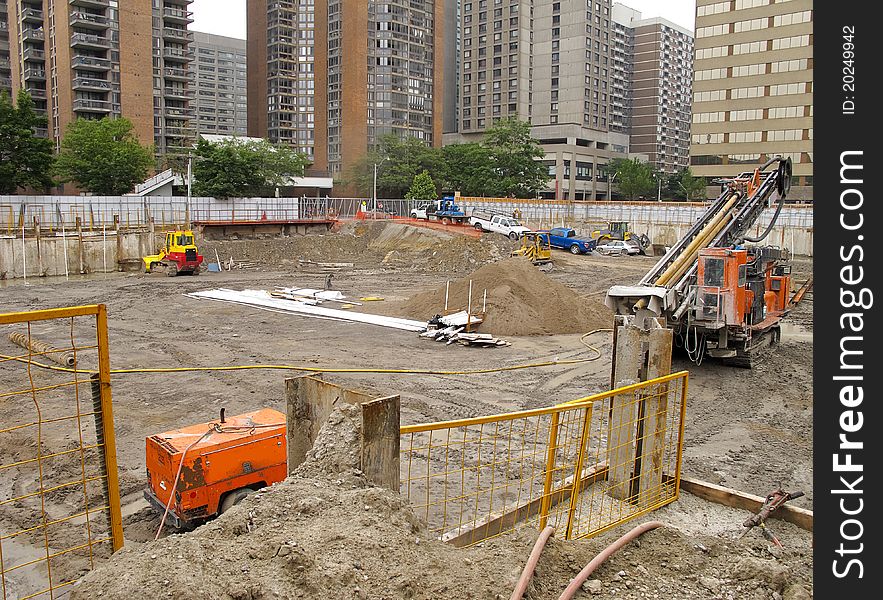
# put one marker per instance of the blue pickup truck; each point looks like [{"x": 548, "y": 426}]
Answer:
[{"x": 566, "y": 239}]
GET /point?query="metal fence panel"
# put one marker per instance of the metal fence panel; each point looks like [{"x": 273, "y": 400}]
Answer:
[
  {"x": 571, "y": 466},
  {"x": 59, "y": 493}
]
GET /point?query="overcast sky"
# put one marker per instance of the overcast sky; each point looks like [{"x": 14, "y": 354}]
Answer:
[{"x": 227, "y": 17}]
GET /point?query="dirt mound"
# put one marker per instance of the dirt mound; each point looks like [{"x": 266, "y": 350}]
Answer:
[
  {"x": 326, "y": 533},
  {"x": 368, "y": 244},
  {"x": 521, "y": 300}
]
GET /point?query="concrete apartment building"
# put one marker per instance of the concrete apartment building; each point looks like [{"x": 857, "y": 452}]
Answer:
[
  {"x": 308, "y": 71},
  {"x": 5, "y": 64},
  {"x": 97, "y": 58},
  {"x": 221, "y": 85},
  {"x": 753, "y": 88},
  {"x": 172, "y": 68},
  {"x": 653, "y": 87},
  {"x": 550, "y": 63}
]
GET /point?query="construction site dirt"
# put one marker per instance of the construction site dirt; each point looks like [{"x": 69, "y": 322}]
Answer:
[{"x": 747, "y": 429}]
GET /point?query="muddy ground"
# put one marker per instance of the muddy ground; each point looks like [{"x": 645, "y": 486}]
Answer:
[{"x": 746, "y": 429}]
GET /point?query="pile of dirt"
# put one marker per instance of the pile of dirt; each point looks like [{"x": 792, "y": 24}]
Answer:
[
  {"x": 368, "y": 244},
  {"x": 521, "y": 300},
  {"x": 326, "y": 533}
]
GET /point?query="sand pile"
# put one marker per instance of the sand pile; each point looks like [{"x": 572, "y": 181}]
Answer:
[
  {"x": 521, "y": 300},
  {"x": 369, "y": 244},
  {"x": 326, "y": 533}
]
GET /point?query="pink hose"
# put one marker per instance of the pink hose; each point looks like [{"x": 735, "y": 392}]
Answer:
[
  {"x": 609, "y": 551},
  {"x": 532, "y": 560}
]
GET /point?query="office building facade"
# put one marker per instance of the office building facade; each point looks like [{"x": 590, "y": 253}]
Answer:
[
  {"x": 330, "y": 78},
  {"x": 753, "y": 88},
  {"x": 220, "y": 85}
]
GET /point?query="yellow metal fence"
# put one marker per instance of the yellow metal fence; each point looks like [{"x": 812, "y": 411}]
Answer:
[
  {"x": 59, "y": 494},
  {"x": 582, "y": 467}
]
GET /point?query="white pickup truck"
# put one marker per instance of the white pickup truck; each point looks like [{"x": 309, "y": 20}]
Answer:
[{"x": 485, "y": 221}]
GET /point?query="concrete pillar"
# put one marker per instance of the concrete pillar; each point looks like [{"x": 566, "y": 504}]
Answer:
[
  {"x": 636, "y": 440},
  {"x": 310, "y": 401}
]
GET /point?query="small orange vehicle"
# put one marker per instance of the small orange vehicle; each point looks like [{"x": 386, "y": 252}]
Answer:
[{"x": 215, "y": 464}]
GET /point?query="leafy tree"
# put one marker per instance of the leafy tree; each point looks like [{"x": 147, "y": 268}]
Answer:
[
  {"x": 25, "y": 159},
  {"x": 468, "y": 169},
  {"x": 633, "y": 177},
  {"x": 694, "y": 187},
  {"x": 398, "y": 162},
  {"x": 238, "y": 168},
  {"x": 423, "y": 188},
  {"x": 514, "y": 158},
  {"x": 684, "y": 186},
  {"x": 103, "y": 156}
]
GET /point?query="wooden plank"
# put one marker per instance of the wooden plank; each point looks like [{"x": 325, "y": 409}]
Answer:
[
  {"x": 380, "y": 441},
  {"x": 499, "y": 522},
  {"x": 801, "y": 517}
]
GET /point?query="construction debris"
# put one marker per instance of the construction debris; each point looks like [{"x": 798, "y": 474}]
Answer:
[
  {"x": 311, "y": 296},
  {"x": 451, "y": 328}
]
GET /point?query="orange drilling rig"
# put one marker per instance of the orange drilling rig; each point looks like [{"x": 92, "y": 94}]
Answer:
[{"x": 721, "y": 297}]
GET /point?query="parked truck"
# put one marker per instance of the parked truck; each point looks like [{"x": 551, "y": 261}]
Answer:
[
  {"x": 445, "y": 210},
  {"x": 566, "y": 239},
  {"x": 499, "y": 223}
]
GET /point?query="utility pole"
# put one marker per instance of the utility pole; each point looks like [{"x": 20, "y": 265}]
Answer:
[
  {"x": 375, "y": 188},
  {"x": 189, "y": 178}
]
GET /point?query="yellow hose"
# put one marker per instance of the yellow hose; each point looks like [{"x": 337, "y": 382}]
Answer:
[{"x": 327, "y": 369}]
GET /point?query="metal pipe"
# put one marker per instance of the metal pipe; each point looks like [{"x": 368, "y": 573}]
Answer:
[
  {"x": 65, "y": 358},
  {"x": 700, "y": 241}
]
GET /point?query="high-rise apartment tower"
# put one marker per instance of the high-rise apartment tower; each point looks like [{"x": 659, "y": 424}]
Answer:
[
  {"x": 220, "y": 70},
  {"x": 96, "y": 58},
  {"x": 330, "y": 78}
]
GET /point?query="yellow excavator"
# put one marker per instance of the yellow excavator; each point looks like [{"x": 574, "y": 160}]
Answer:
[{"x": 178, "y": 255}]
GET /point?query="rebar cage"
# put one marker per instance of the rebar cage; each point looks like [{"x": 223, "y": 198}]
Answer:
[
  {"x": 582, "y": 467},
  {"x": 59, "y": 492}
]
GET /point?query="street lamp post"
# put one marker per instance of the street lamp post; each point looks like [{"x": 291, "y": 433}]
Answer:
[
  {"x": 375, "y": 188},
  {"x": 189, "y": 178},
  {"x": 375, "y": 183}
]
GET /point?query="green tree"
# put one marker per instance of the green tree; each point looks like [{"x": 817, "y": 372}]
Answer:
[
  {"x": 236, "y": 168},
  {"x": 514, "y": 158},
  {"x": 398, "y": 162},
  {"x": 468, "y": 169},
  {"x": 693, "y": 187},
  {"x": 423, "y": 188},
  {"x": 25, "y": 159},
  {"x": 632, "y": 177},
  {"x": 103, "y": 156},
  {"x": 684, "y": 186}
]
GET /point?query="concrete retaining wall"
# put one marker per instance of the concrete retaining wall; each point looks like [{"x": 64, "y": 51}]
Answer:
[{"x": 60, "y": 255}]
